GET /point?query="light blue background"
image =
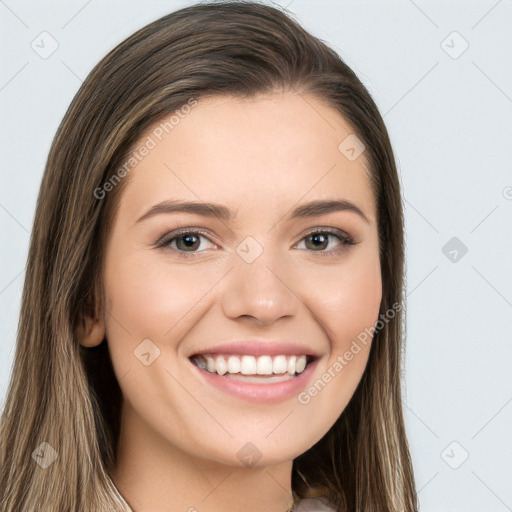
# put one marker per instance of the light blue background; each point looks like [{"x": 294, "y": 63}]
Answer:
[{"x": 450, "y": 120}]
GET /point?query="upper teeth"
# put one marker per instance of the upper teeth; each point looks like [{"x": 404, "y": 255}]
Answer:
[{"x": 251, "y": 365}]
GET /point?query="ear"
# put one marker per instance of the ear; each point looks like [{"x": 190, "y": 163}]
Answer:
[{"x": 90, "y": 330}]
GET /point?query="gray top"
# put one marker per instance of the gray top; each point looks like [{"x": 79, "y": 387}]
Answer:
[
  {"x": 305, "y": 505},
  {"x": 314, "y": 505}
]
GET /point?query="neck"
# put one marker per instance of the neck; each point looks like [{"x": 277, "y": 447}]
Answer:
[{"x": 153, "y": 475}]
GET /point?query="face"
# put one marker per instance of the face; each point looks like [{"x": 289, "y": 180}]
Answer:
[{"x": 250, "y": 285}]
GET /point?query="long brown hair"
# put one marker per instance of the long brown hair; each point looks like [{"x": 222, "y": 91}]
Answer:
[{"x": 67, "y": 396}]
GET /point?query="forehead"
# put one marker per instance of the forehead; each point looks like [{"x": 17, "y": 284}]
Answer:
[{"x": 265, "y": 152}]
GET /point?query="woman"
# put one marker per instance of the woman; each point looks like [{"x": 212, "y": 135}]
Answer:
[{"x": 212, "y": 313}]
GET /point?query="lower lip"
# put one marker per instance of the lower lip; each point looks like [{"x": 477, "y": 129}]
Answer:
[{"x": 269, "y": 393}]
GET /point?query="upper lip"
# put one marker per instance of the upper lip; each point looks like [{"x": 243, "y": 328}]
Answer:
[{"x": 259, "y": 348}]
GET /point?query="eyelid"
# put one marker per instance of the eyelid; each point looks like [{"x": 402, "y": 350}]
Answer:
[
  {"x": 343, "y": 235},
  {"x": 167, "y": 237}
]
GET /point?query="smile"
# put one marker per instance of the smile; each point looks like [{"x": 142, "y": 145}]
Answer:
[
  {"x": 262, "y": 378},
  {"x": 251, "y": 365}
]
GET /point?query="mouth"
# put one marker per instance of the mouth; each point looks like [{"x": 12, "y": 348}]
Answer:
[
  {"x": 264, "y": 368},
  {"x": 262, "y": 378}
]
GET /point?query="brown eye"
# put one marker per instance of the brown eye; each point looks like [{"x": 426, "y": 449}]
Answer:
[
  {"x": 190, "y": 241},
  {"x": 319, "y": 240},
  {"x": 185, "y": 242}
]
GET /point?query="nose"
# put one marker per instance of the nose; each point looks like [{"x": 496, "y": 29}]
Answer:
[{"x": 261, "y": 290}]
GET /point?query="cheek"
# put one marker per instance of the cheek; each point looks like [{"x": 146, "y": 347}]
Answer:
[
  {"x": 147, "y": 299},
  {"x": 349, "y": 300},
  {"x": 358, "y": 304},
  {"x": 347, "y": 306}
]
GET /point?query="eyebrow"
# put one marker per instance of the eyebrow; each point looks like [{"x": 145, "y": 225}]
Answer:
[{"x": 311, "y": 209}]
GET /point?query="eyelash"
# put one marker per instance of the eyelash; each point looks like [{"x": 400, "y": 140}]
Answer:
[{"x": 165, "y": 241}]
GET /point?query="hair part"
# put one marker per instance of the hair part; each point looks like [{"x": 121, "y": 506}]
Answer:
[{"x": 68, "y": 396}]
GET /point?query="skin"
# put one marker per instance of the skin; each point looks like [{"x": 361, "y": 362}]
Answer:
[{"x": 260, "y": 157}]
